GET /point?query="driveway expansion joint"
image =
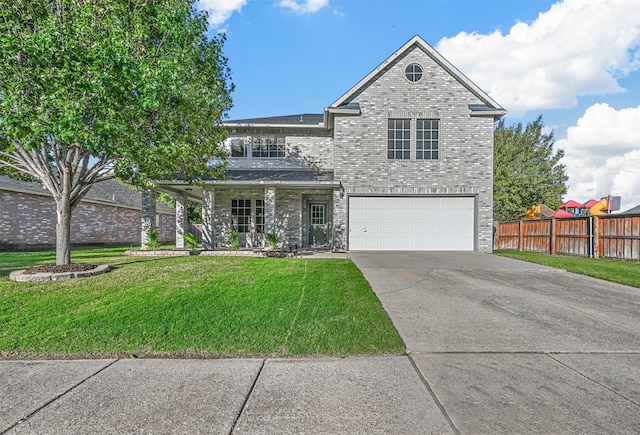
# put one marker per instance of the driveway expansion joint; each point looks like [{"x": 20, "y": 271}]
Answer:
[
  {"x": 433, "y": 395},
  {"x": 629, "y": 399},
  {"x": 246, "y": 399}
]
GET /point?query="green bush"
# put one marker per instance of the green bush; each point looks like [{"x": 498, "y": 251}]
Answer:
[
  {"x": 272, "y": 238},
  {"x": 153, "y": 240},
  {"x": 190, "y": 241},
  {"x": 235, "y": 240}
]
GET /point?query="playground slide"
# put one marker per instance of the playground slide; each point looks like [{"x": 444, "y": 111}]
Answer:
[
  {"x": 532, "y": 213},
  {"x": 597, "y": 208}
]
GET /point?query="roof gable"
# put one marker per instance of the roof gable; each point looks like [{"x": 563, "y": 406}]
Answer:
[{"x": 418, "y": 42}]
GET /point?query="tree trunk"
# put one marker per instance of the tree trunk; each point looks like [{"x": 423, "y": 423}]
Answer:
[{"x": 63, "y": 231}]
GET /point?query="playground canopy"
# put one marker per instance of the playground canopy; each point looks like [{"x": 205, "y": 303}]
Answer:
[
  {"x": 561, "y": 214},
  {"x": 590, "y": 203},
  {"x": 571, "y": 204}
]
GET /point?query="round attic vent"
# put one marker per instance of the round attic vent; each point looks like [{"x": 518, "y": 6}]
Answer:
[{"x": 413, "y": 72}]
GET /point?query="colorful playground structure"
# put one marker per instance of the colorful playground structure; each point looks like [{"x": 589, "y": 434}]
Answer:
[{"x": 573, "y": 208}]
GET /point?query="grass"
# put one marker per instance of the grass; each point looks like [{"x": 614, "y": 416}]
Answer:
[
  {"x": 623, "y": 272},
  {"x": 192, "y": 307}
]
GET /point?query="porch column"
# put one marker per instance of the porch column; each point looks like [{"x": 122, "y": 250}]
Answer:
[
  {"x": 148, "y": 221},
  {"x": 208, "y": 218},
  {"x": 181, "y": 219},
  {"x": 339, "y": 221},
  {"x": 269, "y": 210}
]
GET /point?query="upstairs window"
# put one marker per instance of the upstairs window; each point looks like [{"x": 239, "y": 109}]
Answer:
[
  {"x": 238, "y": 148},
  {"x": 399, "y": 139},
  {"x": 267, "y": 147},
  {"x": 258, "y": 147},
  {"x": 427, "y": 137},
  {"x": 413, "y": 72}
]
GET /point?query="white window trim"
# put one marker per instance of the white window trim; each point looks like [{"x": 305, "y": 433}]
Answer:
[{"x": 413, "y": 117}]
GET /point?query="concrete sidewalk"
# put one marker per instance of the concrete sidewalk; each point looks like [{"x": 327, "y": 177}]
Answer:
[{"x": 257, "y": 396}]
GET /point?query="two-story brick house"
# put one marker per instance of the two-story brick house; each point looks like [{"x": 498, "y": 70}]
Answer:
[{"x": 401, "y": 161}]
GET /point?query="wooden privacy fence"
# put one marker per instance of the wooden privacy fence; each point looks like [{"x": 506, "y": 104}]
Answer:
[{"x": 612, "y": 236}]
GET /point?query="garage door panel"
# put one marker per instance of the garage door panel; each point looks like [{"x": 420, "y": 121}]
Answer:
[{"x": 411, "y": 223}]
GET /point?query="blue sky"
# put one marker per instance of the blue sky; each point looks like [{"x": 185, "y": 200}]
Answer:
[{"x": 575, "y": 62}]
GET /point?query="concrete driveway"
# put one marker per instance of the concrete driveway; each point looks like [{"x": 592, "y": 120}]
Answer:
[{"x": 508, "y": 346}]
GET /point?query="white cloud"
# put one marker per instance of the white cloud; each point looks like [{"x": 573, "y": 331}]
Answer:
[
  {"x": 220, "y": 10},
  {"x": 307, "y": 6},
  {"x": 602, "y": 155},
  {"x": 576, "y": 48}
]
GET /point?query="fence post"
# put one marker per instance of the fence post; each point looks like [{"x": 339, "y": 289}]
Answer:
[
  {"x": 596, "y": 236},
  {"x": 520, "y": 236},
  {"x": 552, "y": 238}
]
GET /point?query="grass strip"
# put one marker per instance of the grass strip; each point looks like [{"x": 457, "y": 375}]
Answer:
[
  {"x": 193, "y": 307},
  {"x": 623, "y": 272}
]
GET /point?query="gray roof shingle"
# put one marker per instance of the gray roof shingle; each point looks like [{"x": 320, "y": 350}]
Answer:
[
  {"x": 280, "y": 175},
  {"x": 634, "y": 210},
  {"x": 302, "y": 119},
  {"x": 109, "y": 192}
]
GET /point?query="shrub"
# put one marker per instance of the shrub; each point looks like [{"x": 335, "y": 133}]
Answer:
[
  {"x": 153, "y": 240},
  {"x": 235, "y": 240},
  {"x": 190, "y": 241},
  {"x": 272, "y": 238}
]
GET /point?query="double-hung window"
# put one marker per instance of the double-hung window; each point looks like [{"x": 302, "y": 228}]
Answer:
[
  {"x": 399, "y": 139},
  {"x": 238, "y": 148},
  {"x": 259, "y": 147},
  {"x": 413, "y": 138},
  {"x": 427, "y": 136},
  {"x": 259, "y": 215},
  {"x": 268, "y": 147},
  {"x": 241, "y": 215}
]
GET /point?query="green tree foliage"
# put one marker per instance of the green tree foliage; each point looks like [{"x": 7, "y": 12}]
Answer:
[
  {"x": 10, "y": 172},
  {"x": 526, "y": 170},
  {"x": 94, "y": 89},
  {"x": 194, "y": 209}
]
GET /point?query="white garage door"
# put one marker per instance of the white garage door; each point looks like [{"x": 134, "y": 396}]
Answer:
[{"x": 411, "y": 223}]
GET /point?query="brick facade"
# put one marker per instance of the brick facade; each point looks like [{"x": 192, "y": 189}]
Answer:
[
  {"x": 28, "y": 221},
  {"x": 465, "y": 166},
  {"x": 343, "y": 154}
]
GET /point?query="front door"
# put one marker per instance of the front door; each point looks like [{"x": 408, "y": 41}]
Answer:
[{"x": 317, "y": 224}]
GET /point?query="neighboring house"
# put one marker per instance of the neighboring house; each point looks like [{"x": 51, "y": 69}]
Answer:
[
  {"x": 108, "y": 215},
  {"x": 634, "y": 210},
  {"x": 401, "y": 161}
]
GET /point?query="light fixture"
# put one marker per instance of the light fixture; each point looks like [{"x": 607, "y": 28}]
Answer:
[{"x": 341, "y": 190}]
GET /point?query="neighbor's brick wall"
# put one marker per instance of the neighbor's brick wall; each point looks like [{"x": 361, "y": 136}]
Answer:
[
  {"x": 29, "y": 221},
  {"x": 465, "y": 165}
]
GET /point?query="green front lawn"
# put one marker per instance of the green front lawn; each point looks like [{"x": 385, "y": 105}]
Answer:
[
  {"x": 193, "y": 306},
  {"x": 623, "y": 272}
]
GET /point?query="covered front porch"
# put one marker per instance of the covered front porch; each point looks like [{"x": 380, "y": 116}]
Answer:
[{"x": 244, "y": 213}]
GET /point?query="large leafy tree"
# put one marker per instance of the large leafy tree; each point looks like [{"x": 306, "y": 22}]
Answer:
[
  {"x": 527, "y": 170},
  {"x": 94, "y": 89}
]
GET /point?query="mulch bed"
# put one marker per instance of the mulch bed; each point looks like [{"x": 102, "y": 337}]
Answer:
[{"x": 52, "y": 268}]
